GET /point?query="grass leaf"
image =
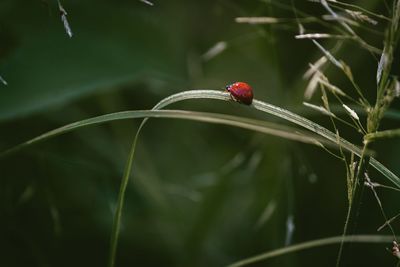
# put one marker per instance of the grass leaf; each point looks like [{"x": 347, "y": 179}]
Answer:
[{"x": 313, "y": 244}]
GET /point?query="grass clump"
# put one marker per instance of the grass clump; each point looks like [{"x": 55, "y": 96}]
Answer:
[{"x": 342, "y": 23}]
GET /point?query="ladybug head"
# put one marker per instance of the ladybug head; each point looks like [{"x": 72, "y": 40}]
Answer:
[{"x": 228, "y": 87}]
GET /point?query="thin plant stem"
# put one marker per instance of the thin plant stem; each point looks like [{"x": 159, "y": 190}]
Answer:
[
  {"x": 372, "y": 187},
  {"x": 352, "y": 197},
  {"x": 120, "y": 202},
  {"x": 313, "y": 244},
  {"x": 337, "y": 3}
]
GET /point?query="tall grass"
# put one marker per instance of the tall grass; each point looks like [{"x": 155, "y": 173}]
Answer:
[
  {"x": 345, "y": 18},
  {"x": 340, "y": 24}
]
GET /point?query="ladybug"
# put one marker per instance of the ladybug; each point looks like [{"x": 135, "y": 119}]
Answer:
[{"x": 241, "y": 92}]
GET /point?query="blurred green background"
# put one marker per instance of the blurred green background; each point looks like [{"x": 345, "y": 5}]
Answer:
[{"x": 200, "y": 194}]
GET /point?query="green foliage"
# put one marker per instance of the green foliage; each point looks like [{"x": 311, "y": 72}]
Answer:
[{"x": 202, "y": 194}]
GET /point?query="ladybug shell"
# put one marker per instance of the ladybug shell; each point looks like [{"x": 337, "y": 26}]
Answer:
[{"x": 241, "y": 92}]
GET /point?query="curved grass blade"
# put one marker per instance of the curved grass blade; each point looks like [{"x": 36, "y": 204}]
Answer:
[
  {"x": 313, "y": 244},
  {"x": 286, "y": 115},
  {"x": 241, "y": 122}
]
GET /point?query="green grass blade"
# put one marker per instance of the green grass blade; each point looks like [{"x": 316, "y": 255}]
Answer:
[
  {"x": 241, "y": 122},
  {"x": 313, "y": 244},
  {"x": 286, "y": 115}
]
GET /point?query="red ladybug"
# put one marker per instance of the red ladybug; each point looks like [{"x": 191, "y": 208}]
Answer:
[{"x": 241, "y": 92}]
